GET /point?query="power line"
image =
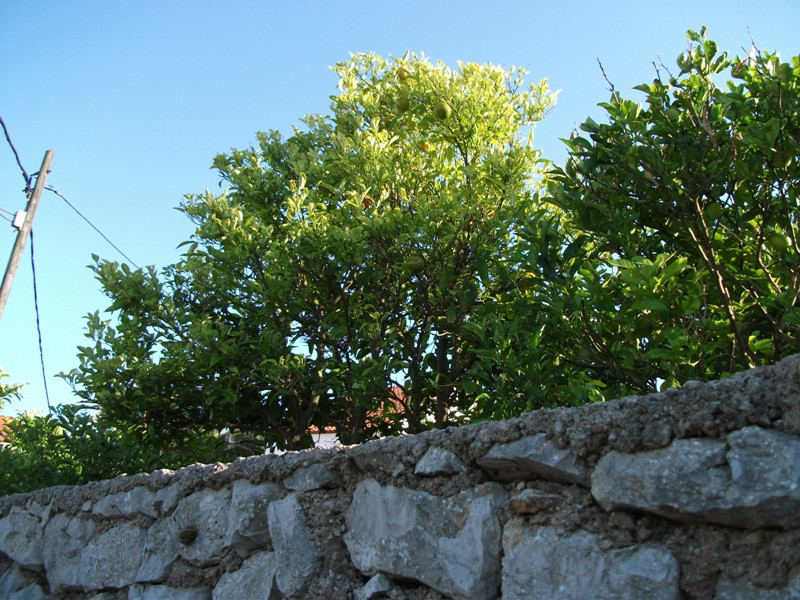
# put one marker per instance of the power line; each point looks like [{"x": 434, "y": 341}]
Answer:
[
  {"x": 60, "y": 195},
  {"x": 5, "y": 212},
  {"x": 57, "y": 193},
  {"x": 16, "y": 155},
  {"x": 39, "y": 329}
]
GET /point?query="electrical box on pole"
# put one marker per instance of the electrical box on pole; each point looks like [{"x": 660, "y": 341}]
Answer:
[{"x": 24, "y": 230}]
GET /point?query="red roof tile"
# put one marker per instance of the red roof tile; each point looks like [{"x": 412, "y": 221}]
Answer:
[{"x": 3, "y": 422}]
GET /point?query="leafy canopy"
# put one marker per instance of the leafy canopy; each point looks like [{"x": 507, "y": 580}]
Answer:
[
  {"x": 678, "y": 257},
  {"x": 335, "y": 280},
  {"x": 405, "y": 263}
]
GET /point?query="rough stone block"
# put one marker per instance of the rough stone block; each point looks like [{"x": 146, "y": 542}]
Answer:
[
  {"x": 111, "y": 559},
  {"x": 15, "y": 586},
  {"x": 65, "y": 538},
  {"x": 139, "y": 500},
  {"x": 78, "y": 558},
  {"x": 313, "y": 477},
  {"x": 377, "y": 587},
  {"x": 29, "y": 592},
  {"x": 163, "y": 592},
  {"x": 167, "y": 498},
  {"x": 438, "y": 461},
  {"x": 533, "y": 501},
  {"x": 728, "y": 589},
  {"x": 21, "y": 536},
  {"x": 254, "y": 579},
  {"x": 247, "y": 522},
  {"x": 533, "y": 456},
  {"x": 451, "y": 544},
  {"x": 295, "y": 553},
  {"x": 545, "y": 564},
  {"x": 205, "y": 513},
  {"x": 752, "y": 481}
]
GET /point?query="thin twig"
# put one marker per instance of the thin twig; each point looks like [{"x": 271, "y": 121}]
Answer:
[{"x": 603, "y": 71}]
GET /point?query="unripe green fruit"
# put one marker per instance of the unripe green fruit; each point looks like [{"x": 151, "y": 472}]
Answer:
[
  {"x": 714, "y": 211},
  {"x": 442, "y": 111},
  {"x": 415, "y": 263},
  {"x": 402, "y": 104},
  {"x": 781, "y": 159},
  {"x": 784, "y": 72},
  {"x": 778, "y": 242}
]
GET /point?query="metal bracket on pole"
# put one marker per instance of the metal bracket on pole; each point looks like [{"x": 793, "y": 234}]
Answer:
[{"x": 24, "y": 230}]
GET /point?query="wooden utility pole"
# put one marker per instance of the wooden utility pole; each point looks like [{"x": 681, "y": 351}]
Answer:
[{"x": 24, "y": 231}]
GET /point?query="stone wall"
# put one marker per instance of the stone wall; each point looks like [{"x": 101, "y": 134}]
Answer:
[{"x": 693, "y": 493}]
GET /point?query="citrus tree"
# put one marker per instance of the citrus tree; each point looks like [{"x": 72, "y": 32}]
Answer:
[
  {"x": 336, "y": 280},
  {"x": 677, "y": 251}
]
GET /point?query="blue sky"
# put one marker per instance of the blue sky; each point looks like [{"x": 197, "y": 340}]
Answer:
[{"x": 136, "y": 99}]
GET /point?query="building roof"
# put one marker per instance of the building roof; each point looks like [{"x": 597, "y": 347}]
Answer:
[
  {"x": 396, "y": 397},
  {"x": 3, "y": 422}
]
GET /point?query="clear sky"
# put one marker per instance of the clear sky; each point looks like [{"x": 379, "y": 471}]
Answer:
[{"x": 136, "y": 99}]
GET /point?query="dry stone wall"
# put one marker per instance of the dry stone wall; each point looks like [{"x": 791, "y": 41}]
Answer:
[{"x": 693, "y": 493}]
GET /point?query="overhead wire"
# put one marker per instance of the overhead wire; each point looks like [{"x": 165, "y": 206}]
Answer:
[
  {"x": 16, "y": 155},
  {"x": 7, "y": 212},
  {"x": 92, "y": 225},
  {"x": 28, "y": 191},
  {"x": 39, "y": 328}
]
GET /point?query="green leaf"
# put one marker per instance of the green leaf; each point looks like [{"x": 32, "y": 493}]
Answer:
[{"x": 649, "y": 304}]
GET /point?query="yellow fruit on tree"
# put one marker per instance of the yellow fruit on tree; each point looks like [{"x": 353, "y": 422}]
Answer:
[{"x": 402, "y": 73}]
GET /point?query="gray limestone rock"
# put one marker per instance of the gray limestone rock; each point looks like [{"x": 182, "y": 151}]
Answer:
[
  {"x": 370, "y": 458},
  {"x": 377, "y": 587},
  {"x": 21, "y": 535},
  {"x": 545, "y": 564},
  {"x": 312, "y": 477},
  {"x": 139, "y": 500},
  {"x": 15, "y": 586},
  {"x": 450, "y": 544},
  {"x": 533, "y": 501},
  {"x": 295, "y": 554},
  {"x": 728, "y": 589},
  {"x": 167, "y": 498},
  {"x": 752, "y": 481},
  {"x": 247, "y": 522},
  {"x": 65, "y": 538},
  {"x": 163, "y": 592},
  {"x": 254, "y": 579},
  {"x": 438, "y": 461},
  {"x": 533, "y": 456},
  {"x": 29, "y": 592},
  {"x": 195, "y": 531},
  {"x": 78, "y": 558},
  {"x": 112, "y": 558}
]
